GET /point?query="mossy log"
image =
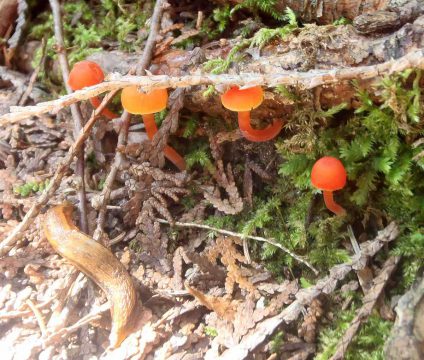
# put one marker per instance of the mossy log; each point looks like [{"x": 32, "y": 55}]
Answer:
[{"x": 368, "y": 14}]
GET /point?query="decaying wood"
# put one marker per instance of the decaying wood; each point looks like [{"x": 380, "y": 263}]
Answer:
[
  {"x": 406, "y": 341},
  {"x": 338, "y": 64},
  {"x": 369, "y": 301},
  {"x": 328, "y": 11},
  {"x": 305, "y": 296}
]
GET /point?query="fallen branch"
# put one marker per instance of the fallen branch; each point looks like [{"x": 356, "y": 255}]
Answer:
[
  {"x": 18, "y": 231},
  {"x": 369, "y": 302},
  {"x": 306, "y": 80},
  {"x": 241, "y": 236},
  {"x": 305, "y": 296}
]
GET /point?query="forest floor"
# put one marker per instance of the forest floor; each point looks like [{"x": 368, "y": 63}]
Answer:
[{"x": 236, "y": 256}]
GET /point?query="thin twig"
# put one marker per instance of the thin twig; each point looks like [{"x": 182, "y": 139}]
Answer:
[
  {"x": 16, "y": 314},
  {"x": 110, "y": 179},
  {"x": 369, "y": 302},
  {"x": 305, "y": 296},
  {"x": 75, "y": 110},
  {"x": 64, "y": 333},
  {"x": 307, "y": 80},
  {"x": 34, "y": 74},
  {"x": 241, "y": 236},
  {"x": 38, "y": 316},
  {"x": 125, "y": 119},
  {"x": 19, "y": 230}
]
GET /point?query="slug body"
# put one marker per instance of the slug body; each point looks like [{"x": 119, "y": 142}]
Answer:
[{"x": 100, "y": 265}]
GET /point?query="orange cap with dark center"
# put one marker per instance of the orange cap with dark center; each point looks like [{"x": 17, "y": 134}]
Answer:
[
  {"x": 136, "y": 102},
  {"x": 329, "y": 174},
  {"x": 235, "y": 99},
  {"x": 85, "y": 73}
]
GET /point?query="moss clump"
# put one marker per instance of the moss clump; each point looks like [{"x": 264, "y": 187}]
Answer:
[{"x": 367, "y": 345}]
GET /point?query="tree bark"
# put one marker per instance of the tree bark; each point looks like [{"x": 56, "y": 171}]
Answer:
[
  {"x": 406, "y": 341},
  {"x": 314, "y": 47},
  {"x": 328, "y": 11}
]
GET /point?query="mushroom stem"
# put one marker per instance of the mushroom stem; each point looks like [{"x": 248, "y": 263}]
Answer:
[
  {"x": 252, "y": 134},
  {"x": 170, "y": 153},
  {"x": 95, "y": 101},
  {"x": 332, "y": 205}
]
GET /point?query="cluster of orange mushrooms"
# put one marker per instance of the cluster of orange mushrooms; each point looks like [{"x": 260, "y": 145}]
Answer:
[{"x": 328, "y": 173}]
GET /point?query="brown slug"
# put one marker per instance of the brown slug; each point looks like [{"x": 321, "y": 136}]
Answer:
[{"x": 100, "y": 265}]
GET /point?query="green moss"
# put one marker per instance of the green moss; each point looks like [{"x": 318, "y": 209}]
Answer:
[
  {"x": 367, "y": 345},
  {"x": 259, "y": 39},
  {"x": 210, "y": 331},
  {"x": 85, "y": 28},
  {"x": 30, "y": 188}
]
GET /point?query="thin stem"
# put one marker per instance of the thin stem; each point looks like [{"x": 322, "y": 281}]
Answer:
[
  {"x": 332, "y": 205},
  {"x": 242, "y": 236},
  {"x": 95, "y": 101},
  {"x": 170, "y": 153},
  {"x": 256, "y": 135},
  {"x": 75, "y": 111}
]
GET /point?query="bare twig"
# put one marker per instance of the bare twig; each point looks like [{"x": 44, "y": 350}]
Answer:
[
  {"x": 18, "y": 231},
  {"x": 75, "y": 110},
  {"x": 64, "y": 333},
  {"x": 369, "y": 302},
  {"x": 305, "y": 296},
  {"x": 16, "y": 314},
  {"x": 107, "y": 188},
  {"x": 126, "y": 117},
  {"x": 34, "y": 74},
  {"x": 241, "y": 236},
  {"x": 38, "y": 316},
  {"x": 307, "y": 80}
]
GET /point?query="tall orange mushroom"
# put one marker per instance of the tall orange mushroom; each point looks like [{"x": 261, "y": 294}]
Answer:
[
  {"x": 243, "y": 101},
  {"x": 87, "y": 73},
  {"x": 328, "y": 174},
  {"x": 146, "y": 104}
]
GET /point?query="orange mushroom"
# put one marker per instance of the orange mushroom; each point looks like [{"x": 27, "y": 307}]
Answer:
[
  {"x": 146, "y": 104},
  {"x": 328, "y": 174},
  {"x": 243, "y": 101},
  {"x": 88, "y": 73}
]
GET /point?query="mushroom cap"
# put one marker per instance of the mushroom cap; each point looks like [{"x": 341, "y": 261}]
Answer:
[
  {"x": 329, "y": 174},
  {"x": 235, "y": 99},
  {"x": 136, "y": 102},
  {"x": 85, "y": 73}
]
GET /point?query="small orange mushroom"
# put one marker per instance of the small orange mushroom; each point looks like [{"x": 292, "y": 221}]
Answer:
[
  {"x": 87, "y": 73},
  {"x": 146, "y": 104},
  {"x": 328, "y": 174},
  {"x": 243, "y": 101}
]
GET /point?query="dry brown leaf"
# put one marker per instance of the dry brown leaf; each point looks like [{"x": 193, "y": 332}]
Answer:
[
  {"x": 308, "y": 329},
  {"x": 225, "y": 250},
  {"x": 223, "y": 307}
]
